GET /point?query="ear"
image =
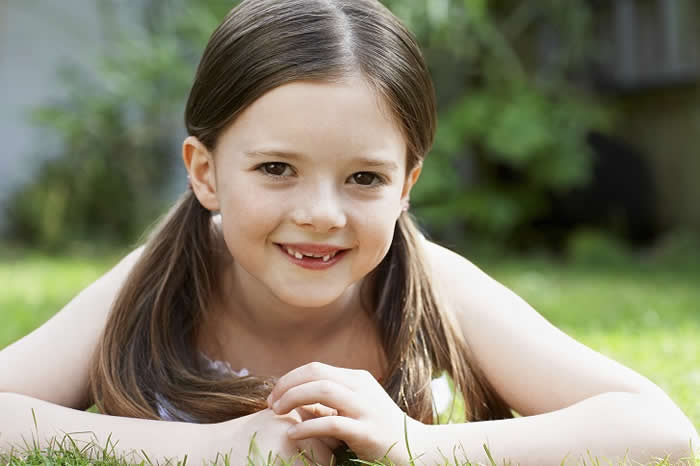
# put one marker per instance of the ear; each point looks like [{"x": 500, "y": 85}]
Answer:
[
  {"x": 408, "y": 184},
  {"x": 199, "y": 163}
]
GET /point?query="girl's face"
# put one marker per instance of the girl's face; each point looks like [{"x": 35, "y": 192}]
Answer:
[{"x": 307, "y": 167}]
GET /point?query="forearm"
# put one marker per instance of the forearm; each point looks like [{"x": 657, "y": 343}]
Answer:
[
  {"x": 608, "y": 426},
  {"x": 159, "y": 439}
]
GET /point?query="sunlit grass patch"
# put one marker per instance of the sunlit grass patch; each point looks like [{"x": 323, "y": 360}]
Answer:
[
  {"x": 35, "y": 287},
  {"x": 66, "y": 452},
  {"x": 646, "y": 317},
  {"x": 668, "y": 357}
]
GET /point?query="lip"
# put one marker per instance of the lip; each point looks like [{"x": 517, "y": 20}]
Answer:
[
  {"x": 313, "y": 248},
  {"x": 311, "y": 263}
]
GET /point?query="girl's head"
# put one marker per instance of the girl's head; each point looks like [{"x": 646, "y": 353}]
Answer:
[
  {"x": 342, "y": 85},
  {"x": 307, "y": 163},
  {"x": 334, "y": 82}
]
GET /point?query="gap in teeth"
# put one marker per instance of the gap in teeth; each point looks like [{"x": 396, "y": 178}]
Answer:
[{"x": 300, "y": 255}]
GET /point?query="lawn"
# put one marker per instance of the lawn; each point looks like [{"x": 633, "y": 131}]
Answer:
[{"x": 643, "y": 314}]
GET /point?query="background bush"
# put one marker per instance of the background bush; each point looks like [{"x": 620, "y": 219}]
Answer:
[
  {"x": 511, "y": 127},
  {"x": 119, "y": 127}
]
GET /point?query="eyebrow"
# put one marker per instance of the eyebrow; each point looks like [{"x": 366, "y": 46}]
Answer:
[{"x": 366, "y": 161}]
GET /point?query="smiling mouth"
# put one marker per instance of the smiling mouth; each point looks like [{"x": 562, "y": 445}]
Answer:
[
  {"x": 301, "y": 254},
  {"x": 314, "y": 250},
  {"x": 307, "y": 259}
]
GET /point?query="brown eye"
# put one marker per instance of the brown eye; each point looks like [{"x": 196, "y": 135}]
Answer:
[
  {"x": 364, "y": 178},
  {"x": 274, "y": 168}
]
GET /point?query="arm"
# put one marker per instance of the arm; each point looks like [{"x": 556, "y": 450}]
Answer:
[
  {"x": 159, "y": 439},
  {"x": 47, "y": 371},
  {"x": 163, "y": 442},
  {"x": 559, "y": 384},
  {"x": 52, "y": 362},
  {"x": 601, "y": 425},
  {"x": 607, "y": 426},
  {"x": 574, "y": 399}
]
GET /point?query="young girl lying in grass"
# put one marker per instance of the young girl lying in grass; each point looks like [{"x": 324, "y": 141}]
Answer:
[{"x": 288, "y": 293}]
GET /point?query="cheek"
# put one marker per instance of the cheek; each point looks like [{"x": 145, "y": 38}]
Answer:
[
  {"x": 377, "y": 226},
  {"x": 248, "y": 215}
]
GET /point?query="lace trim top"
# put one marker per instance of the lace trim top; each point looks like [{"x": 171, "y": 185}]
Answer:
[
  {"x": 168, "y": 412},
  {"x": 442, "y": 395}
]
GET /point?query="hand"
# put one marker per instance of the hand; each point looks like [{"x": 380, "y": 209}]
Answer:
[
  {"x": 368, "y": 420},
  {"x": 270, "y": 432}
]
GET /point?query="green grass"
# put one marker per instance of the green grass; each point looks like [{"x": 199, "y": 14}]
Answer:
[
  {"x": 34, "y": 287},
  {"x": 645, "y": 315},
  {"x": 66, "y": 452}
]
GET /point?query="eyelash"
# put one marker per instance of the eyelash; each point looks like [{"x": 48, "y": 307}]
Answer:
[{"x": 380, "y": 179}]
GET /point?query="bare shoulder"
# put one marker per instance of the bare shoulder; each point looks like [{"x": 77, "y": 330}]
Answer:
[
  {"x": 52, "y": 362},
  {"x": 446, "y": 262},
  {"x": 533, "y": 365},
  {"x": 465, "y": 287}
]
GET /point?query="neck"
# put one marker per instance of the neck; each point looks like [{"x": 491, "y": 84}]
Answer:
[
  {"x": 249, "y": 327},
  {"x": 247, "y": 304}
]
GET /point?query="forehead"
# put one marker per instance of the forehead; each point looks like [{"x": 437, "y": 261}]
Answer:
[{"x": 317, "y": 118}]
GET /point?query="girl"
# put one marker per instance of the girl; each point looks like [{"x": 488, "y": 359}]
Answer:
[{"x": 288, "y": 293}]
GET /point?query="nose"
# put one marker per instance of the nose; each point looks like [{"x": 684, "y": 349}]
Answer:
[{"x": 319, "y": 209}]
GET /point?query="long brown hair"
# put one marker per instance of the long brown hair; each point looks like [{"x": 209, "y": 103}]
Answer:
[{"x": 147, "y": 355}]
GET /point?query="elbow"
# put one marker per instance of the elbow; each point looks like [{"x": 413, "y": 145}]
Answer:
[
  {"x": 688, "y": 446},
  {"x": 676, "y": 446},
  {"x": 680, "y": 437}
]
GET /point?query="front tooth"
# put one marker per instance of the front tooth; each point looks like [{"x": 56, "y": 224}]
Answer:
[
  {"x": 326, "y": 258},
  {"x": 298, "y": 255}
]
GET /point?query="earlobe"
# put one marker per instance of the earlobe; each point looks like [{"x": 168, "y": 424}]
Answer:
[{"x": 199, "y": 164}]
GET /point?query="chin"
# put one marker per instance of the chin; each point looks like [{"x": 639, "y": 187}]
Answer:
[{"x": 310, "y": 299}]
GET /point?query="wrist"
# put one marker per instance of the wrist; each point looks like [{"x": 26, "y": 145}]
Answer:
[
  {"x": 418, "y": 437},
  {"x": 424, "y": 441},
  {"x": 218, "y": 440}
]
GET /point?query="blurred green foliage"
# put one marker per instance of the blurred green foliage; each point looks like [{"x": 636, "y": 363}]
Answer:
[
  {"x": 511, "y": 127},
  {"x": 110, "y": 178},
  {"x": 513, "y": 118}
]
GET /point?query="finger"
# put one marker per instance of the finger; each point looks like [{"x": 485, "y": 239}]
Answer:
[
  {"x": 315, "y": 410},
  {"x": 308, "y": 373},
  {"x": 326, "y": 392},
  {"x": 329, "y": 442},
  {"x": 339, "y": 427},
  {"x": 315, "y": 451},
  {"x": 318, "y": 410}
]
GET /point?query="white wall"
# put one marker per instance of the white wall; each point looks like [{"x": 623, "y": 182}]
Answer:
[{"x": 35, "y": 37}]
